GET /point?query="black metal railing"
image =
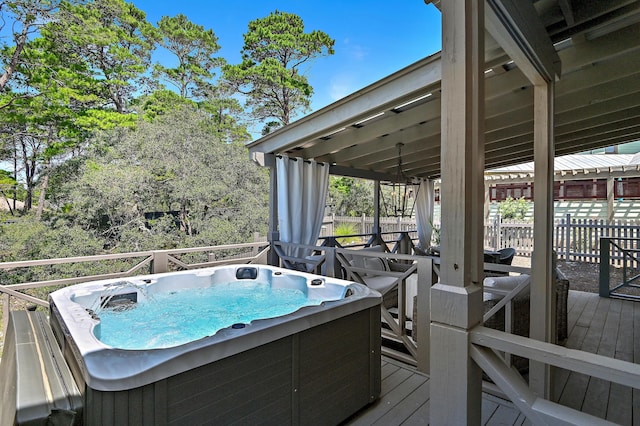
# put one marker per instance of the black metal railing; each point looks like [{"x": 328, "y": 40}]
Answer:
[{"x": 628, "y": 250}]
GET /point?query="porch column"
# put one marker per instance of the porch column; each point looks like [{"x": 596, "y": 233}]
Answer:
[
  {"x": 376, "y": 208},
  {"x": 456, "y": 301},
  {"x": 487, "y": 199},
  {"x": 273, "y": 232},
  {"x": 611, "y": 181},
  {"x": 543, "y": 306}
]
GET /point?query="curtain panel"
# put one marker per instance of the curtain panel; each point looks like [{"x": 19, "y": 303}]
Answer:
[{"x": 302, "y": 187}]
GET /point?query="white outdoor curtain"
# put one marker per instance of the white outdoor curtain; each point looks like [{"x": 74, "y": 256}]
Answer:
[
  {"x": 424, "y": 212},
  {"x": 302, "y": 193}
]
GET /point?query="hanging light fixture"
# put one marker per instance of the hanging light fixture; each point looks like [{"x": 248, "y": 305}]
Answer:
[
  {"x": 399, "y": 197},
  {"x": 401, "y": 191}
]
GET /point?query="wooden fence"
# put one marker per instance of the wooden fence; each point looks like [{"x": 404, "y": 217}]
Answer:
[
  {"x": 573, "y": 239},
  {"x": 364, "y": 225}
]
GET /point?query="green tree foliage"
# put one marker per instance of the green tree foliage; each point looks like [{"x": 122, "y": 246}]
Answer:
[
  {"x": 114, "y": 40},
  {"x": 271, "y": 76},
  {"x": 160, "y": 102},
  {"x": 26, "y": 17},
  {"x": 178, "y": 166},
  {"x": 124, "y": 163},
  {"x": 513, "y": 208},
  {"x": 193, "y": 46},
  {"x": 350, "y": 196}
]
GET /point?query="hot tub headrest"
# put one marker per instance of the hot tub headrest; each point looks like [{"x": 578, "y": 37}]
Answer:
[{"x": 246, "y": 273}]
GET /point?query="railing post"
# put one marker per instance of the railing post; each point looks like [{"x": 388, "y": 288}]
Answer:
[
  {"x": 332, "y": 266},
  {"x": 605, "y": 262},
  {"x": 256, "y": 239},
  {"x": 330, "y": 262},
  {"x": 403, "y": 243},
  {"x": 498, "y": 227},
  {"x": 6, "y": 309},
  {"x": 423, "y": 310},
  {"x": 160, "y": 262},
  {"x": 567, "y": 238}
]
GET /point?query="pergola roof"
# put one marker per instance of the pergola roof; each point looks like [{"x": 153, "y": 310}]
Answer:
[
  {"x": 597, "y": 102},
  {"x": 574, "y": 167}
]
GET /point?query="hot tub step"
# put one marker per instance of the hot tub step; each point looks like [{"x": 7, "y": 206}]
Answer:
[{"x": 36, "y": 383}]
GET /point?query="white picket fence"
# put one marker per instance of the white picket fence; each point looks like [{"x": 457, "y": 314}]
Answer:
[{"x": 574, "y": 239}]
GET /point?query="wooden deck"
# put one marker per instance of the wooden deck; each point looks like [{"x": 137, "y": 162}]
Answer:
[{"x": 609, "y": 327}]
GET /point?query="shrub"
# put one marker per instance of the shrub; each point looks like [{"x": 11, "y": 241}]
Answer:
[{"x": 513, "y": 209}]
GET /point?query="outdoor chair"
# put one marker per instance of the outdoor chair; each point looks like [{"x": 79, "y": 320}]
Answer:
[
  {"x": 377, "y": 273},
  {"x": 501, "y": 257},
  {"x": 496, "y": 288},
  {"x": 506, "y": 255}
]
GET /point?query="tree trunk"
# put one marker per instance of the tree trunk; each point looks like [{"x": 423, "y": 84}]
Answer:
[
  {"x": 43, "y": 192},
  {"x": 15, "y": 58}
]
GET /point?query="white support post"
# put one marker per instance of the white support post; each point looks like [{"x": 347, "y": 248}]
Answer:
[
  {"x": 273, "y": 233},
  {"x": 376, "y": 208},
  {"x": 542, "y": 263},
  {"x": 610, "y": 197},
  {"x": 456, "y": 301},
  {"x": 487, "y": 199},
  {"x": 425, "y": 281}
]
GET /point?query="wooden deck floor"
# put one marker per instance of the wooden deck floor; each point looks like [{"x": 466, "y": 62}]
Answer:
[{"x": 608, "y": 327}]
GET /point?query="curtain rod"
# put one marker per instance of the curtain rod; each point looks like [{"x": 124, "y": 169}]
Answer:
[{"x": 296, "y": 159}]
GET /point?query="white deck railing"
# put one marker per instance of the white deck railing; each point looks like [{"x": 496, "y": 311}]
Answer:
[
  {"x": 154, "y": 261},
  {"x": 491, "y": 350},
  {"x": 487, "y": 341}
]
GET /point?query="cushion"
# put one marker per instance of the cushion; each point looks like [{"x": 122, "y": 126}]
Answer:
[
  {"x": 370, "y": 263},
  {"x": 381, "y": 284},
  {"x": 375, "y": 264},
  {"x": 506, "y": 284}
]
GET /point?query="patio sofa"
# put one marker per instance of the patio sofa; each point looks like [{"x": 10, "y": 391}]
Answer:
[{"x": 520, "y": 317}]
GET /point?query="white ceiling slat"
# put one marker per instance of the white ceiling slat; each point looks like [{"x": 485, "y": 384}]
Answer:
[{"x": 398, "y": 87}]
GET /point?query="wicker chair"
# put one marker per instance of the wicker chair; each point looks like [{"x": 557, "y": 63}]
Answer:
[
  {"x": 520, "y": 317},
  {"x": 520, "y": 314}
]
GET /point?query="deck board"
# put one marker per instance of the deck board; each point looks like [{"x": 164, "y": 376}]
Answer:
[{"x": 609, "y": 327}]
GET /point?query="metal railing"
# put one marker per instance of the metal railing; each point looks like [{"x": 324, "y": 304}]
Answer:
[{"x": 628, "y": 250}]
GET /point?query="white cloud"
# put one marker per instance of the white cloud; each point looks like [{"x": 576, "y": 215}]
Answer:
[
  {"x": 340, "y": 87},
  {"x": 354, "y": 52}
]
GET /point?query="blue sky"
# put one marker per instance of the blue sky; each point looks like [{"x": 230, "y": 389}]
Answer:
[{"x": 373, "y": 38}]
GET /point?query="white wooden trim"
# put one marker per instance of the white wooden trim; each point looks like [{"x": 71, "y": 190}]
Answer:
[
  {"x": 538, "y": 410},
  {"x": 514, "y": 24},
  {"x": 542, "y": 262},
  {"x": 388, "y": 92},
  {"x": 456, "y": 301},
  {"x": 602, "y": 367}
]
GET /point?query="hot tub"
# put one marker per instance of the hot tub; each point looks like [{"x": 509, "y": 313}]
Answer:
[{"x": 317, "y": 365}]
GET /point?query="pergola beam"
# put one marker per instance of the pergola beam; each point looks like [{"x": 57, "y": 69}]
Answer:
[
  {"x": 399, "y": 87},
  {"x": 514, "y": 26}
]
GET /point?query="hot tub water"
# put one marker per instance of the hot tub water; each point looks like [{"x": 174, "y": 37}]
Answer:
[{"x": 173, "y": 318}]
